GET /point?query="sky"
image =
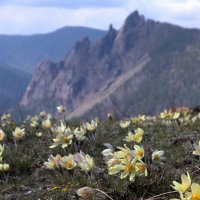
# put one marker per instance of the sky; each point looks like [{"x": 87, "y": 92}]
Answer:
[{"x": 42, "y": 16}]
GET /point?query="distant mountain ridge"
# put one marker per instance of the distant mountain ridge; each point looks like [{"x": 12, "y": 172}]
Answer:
[
  {"x": 13, "y": 82},
  {"x": 25, "y": 52},
  {"x": 144, "y": 67}
]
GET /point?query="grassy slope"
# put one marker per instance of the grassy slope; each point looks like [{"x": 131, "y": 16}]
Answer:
[
  {"x": 25, "y": 52},
  {"x": 29, "y": 180}
]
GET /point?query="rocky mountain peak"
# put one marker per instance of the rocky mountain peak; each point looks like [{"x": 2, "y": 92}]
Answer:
[
  {"x": 133, "y": 20},
  {"x": 82, "y": 45}
]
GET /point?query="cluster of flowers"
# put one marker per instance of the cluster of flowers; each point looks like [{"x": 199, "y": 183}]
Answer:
[
  {"x": 84, "y": 161},
  {"x": 187, "y": 189},
  {"x": 183, "y": 115},
  {"x": 129, "y": 161},
  {"x": 18, "y": 134},
  {"x": 64, "y": 135}
]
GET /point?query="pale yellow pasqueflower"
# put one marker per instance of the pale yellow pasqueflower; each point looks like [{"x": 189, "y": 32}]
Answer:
[
  {"x": 176, "y": 115},
  {"x": 61, "y": 109},
  {"x": 112, "y": 161},
  {"x": 34, "y": 122},
  {"x": 137, "y": 137},
  {"x": 138, "y": 119},
  {"x": 42, "y": 114},
  {"x": 195, "y": 192},
  {"x": 59, "y": 129},
  {"x": 68, "y": 162},
  {"x": 4, "y": 167},
  {"x": 91, "y": 126},
  {"x": 142, "y": 168},
  {"x": 53, "y": 162},
  {"x": 138, "y": 152},
  {"x": 5, "y": 117},
  {"x": 197, "y": 150},
  {"x": 125, "y": 123},
  {"x": 127, "y": 167},
  {"x": 158, "y": 156},
  {"x": 63, "y": 139},
  {"x": 184, "y": 185},
  {"x": 47, "y": 123},
  {"x": 166, "y": 115},
  {"x": 38, "y": 134},
  {"x": 124, "y": 153},
  {"x": 85, "y": 162},
  {"x": 2, "y": 135},
  {"x": 79, "y": 133},
  {"x": 18, "y": 133}
]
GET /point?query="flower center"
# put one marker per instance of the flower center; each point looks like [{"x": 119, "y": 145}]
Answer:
[
  {"x": 156, "y": 158},
  {"x": 69, "y": 165},
  {"x": 139, "y": 153},
  {"x": 129, "y": 167},
  {"x": 65, "y": 139}
]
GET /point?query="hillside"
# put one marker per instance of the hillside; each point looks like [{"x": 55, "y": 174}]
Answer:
[
  {"x": 25, "y": 52},
  {"x": 136, "y": 159},
  {"x": 12, "y": 85},
  {"x": 144, "y": 67}
]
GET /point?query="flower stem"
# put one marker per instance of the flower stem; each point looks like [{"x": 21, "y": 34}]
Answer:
[{"x": 103, "y": 193}]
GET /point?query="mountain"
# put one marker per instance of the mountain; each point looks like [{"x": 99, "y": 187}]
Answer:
[
  {"x": 144, "y": 67},
  {"x": 25, "y": 52},
  {"x": 13, "y": 83}
]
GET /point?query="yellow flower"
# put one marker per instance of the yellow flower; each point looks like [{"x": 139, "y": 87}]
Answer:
[
  {"x": 18, "y": 133},
  {"x": 4, "y": 167},
  {"x": 39, "y": 134},
  {"x": 197, "y": 150},
  {"x": 63, "y": 139},
  {"x": 124, "y": 124},
  {"x": 195, "y": 192},
  {"x": 138, "y": 152},
  {"x": 124, "y": 153},
  {"x": 46, "y": 123},
  {"x": 158, "y": 156},
  {"x": 91, "y": 126},
  {"x": 128, "y": 167},
  {"x": 176, "y": 115},
  {"x": 34, "y": 123},
  {"x": 61, "y": 109},
  {"x": 2, "y": 135},
  {"x": 184, "y": 186},
  {"x": 138, "y": 119},
  {"x": 68, "y": 162},
  {"x": 59, "y": 129},
  {"x": 79, "y": 133},
  {"x": 53, "y": 162},
  {"x": 142, "y": 168},
  {"x": 42, "y": 114},
  {"x": 137, "y": 137},
  {"x": 87, "y": 163},
  {"x": 5, "y": 117}
]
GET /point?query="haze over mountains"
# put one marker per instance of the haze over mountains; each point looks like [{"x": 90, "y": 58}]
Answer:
[
  {"x": 26, "y": 52},
  {"x": 20, "y": 55},
  {"x": 144, "y": 67}
]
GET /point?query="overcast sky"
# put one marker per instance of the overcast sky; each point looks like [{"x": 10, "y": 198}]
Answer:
[{"x": 41, "y": 16}]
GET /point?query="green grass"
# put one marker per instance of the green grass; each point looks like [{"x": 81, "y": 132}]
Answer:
[{"x": 29, "y": 179}]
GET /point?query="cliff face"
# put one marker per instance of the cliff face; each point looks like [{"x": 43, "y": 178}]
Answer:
[{"x": 95, "y": 74}]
